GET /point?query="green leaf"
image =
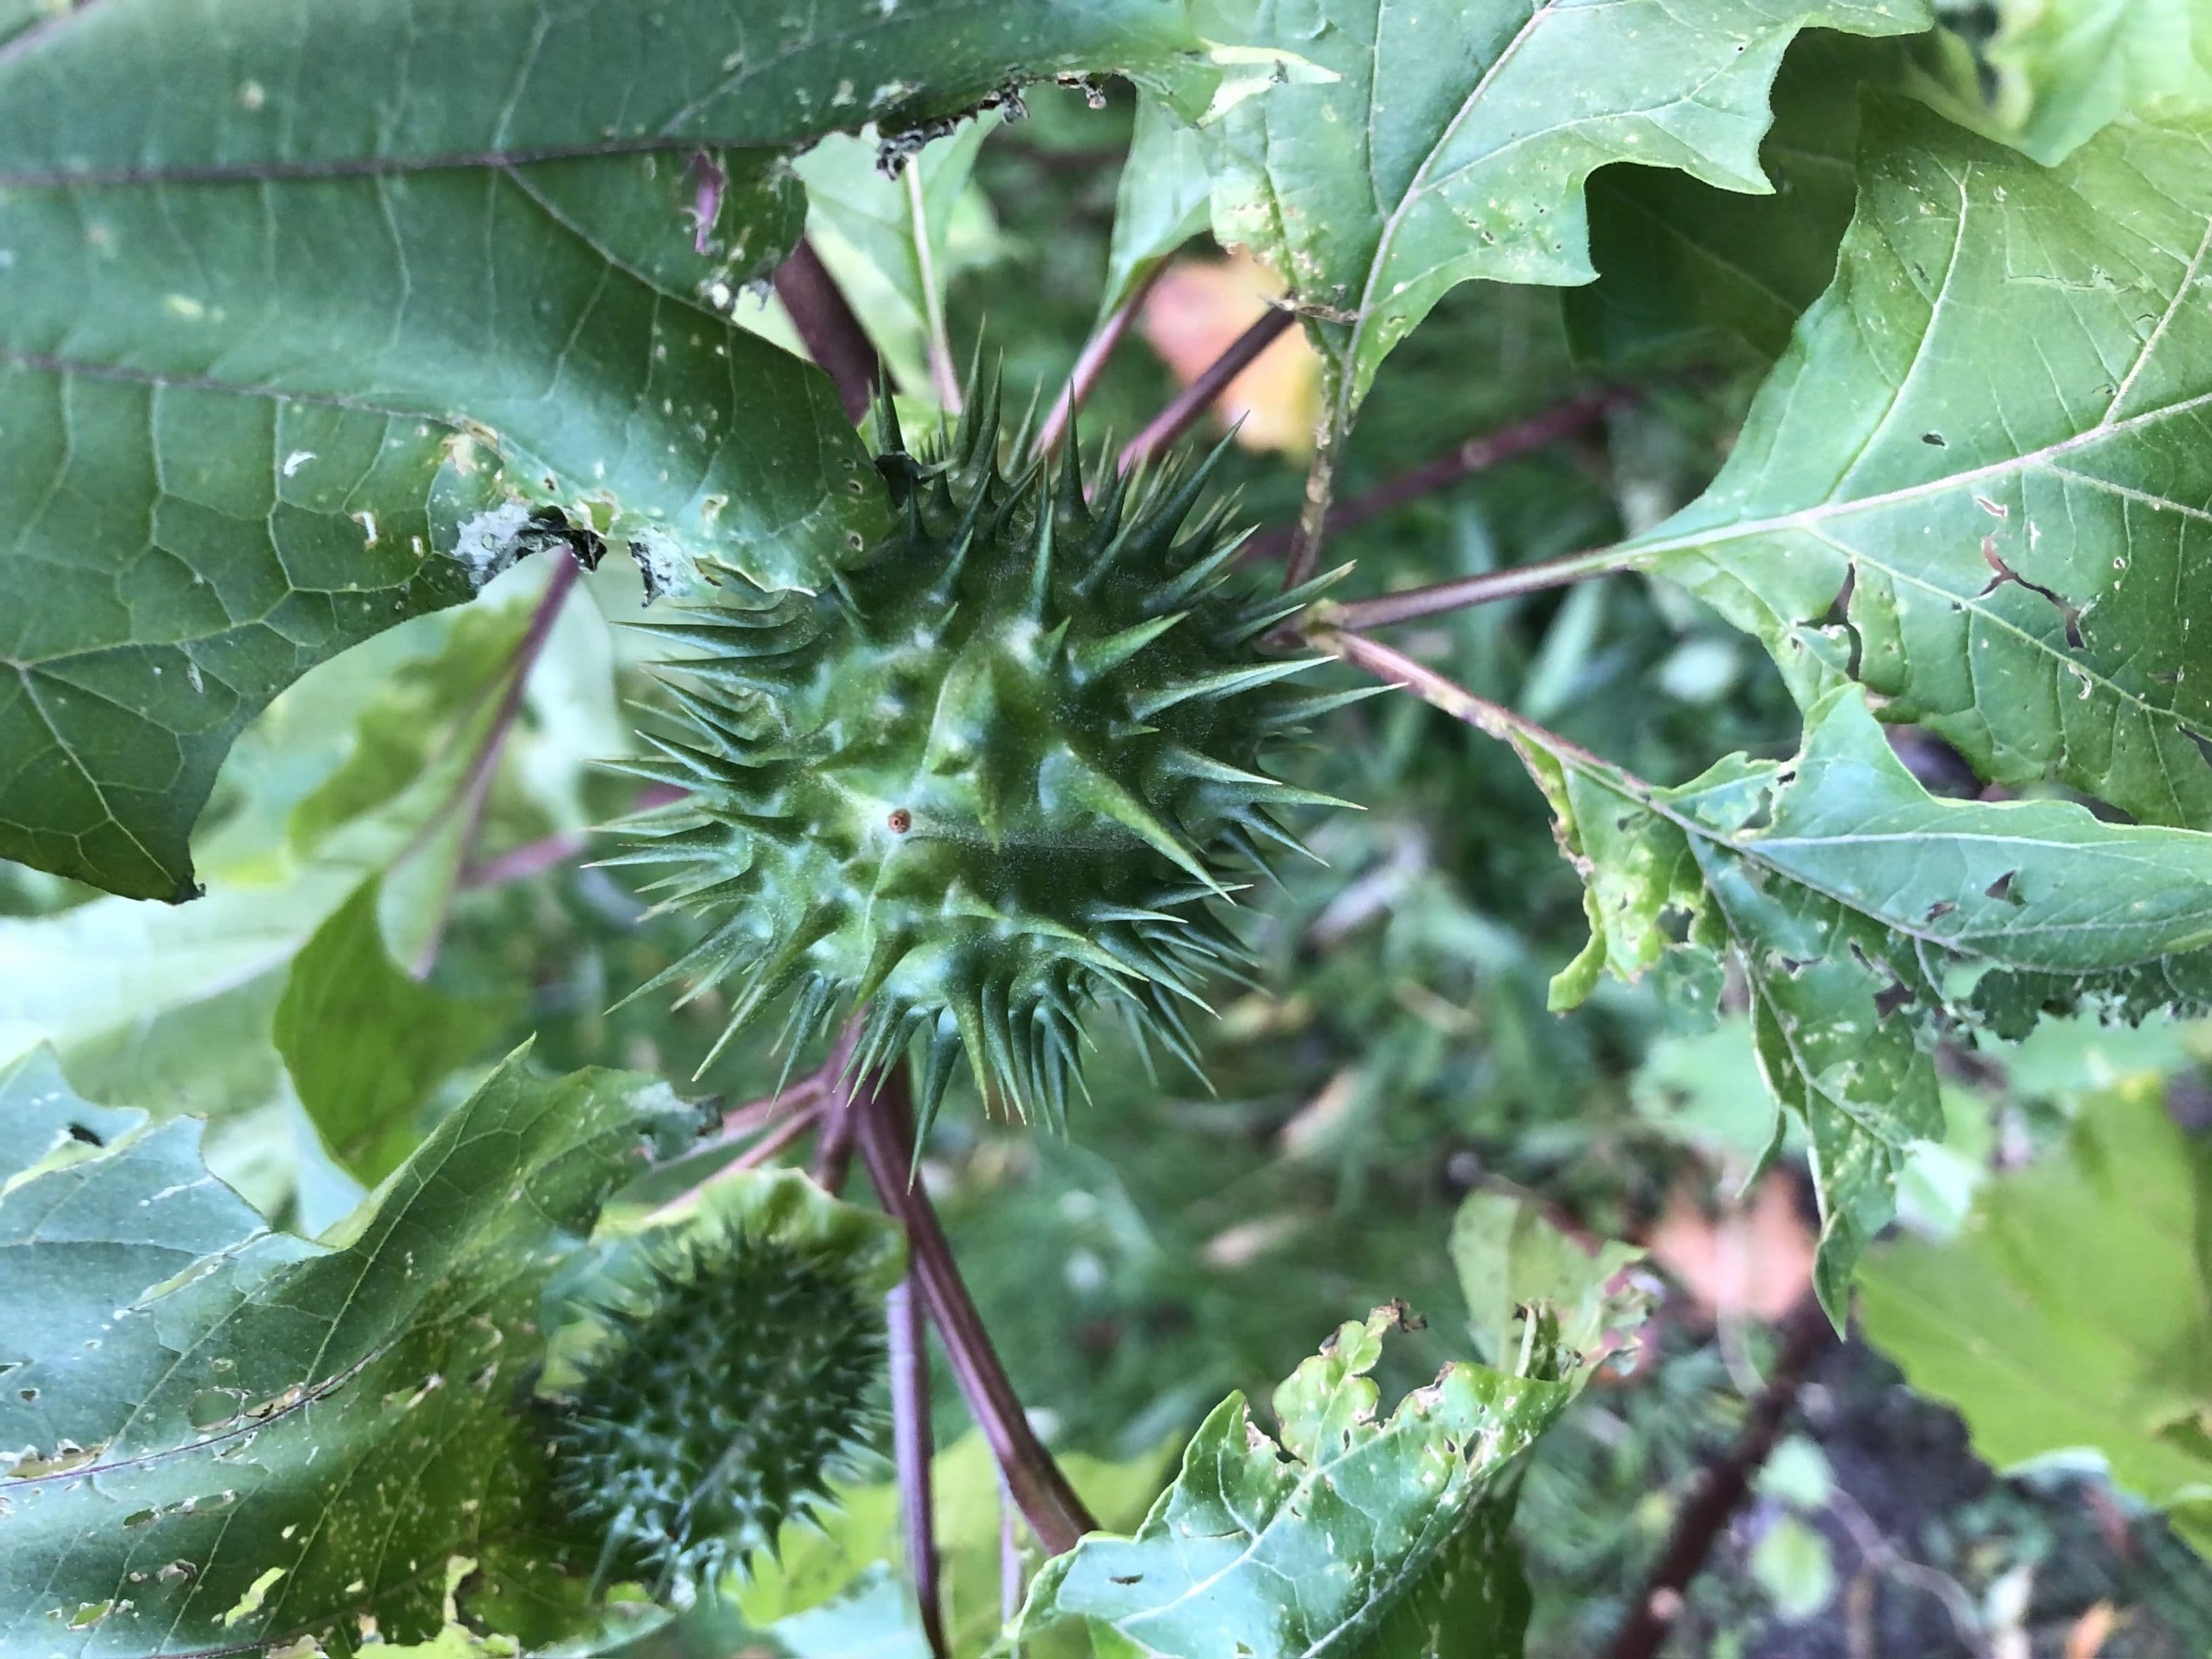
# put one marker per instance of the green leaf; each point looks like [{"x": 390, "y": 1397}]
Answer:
[
  {"x": 2065, "y": 67},
  {"x": 1866, "y": 916},
  {"x": 289, "y": 352},
  {"x": 1161, "y": 201},
  {"x": 224, "y": 1438},
  {"x": 1353, "y": 1534},
  {"x": 1986, "y": 435},
  {"x": 1792, "y": 1563},
  {"x": 1454, "y": 141},
  {"x": 863, "y": 223},
  {"x": 1681, "y": 263},
  {"x": 2075, "y": 1308},
  {"x": 365, "y": 1044},
  {"x": 342, "y": 778},
  {"x": 1515, "y": 1266}
]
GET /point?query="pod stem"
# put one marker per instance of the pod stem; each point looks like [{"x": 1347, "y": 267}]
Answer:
[{"x": 883, "y": 1111}]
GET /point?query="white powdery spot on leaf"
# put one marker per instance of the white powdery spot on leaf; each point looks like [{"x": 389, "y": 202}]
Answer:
[{"x": 487, "y": 542}]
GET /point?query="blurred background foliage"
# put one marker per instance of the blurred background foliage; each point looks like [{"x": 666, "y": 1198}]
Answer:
[{"x": 1184, "y": 1241}]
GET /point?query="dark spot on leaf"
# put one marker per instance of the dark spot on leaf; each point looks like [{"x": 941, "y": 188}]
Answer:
[
  {"x": 1128, "y": 1578},
  {"x": 2002, "y": 889},
  {"x": 1934, "y": 439},
  {"x": 1890, "y": 999},
  {"x": 1941, "y": 908},
  {"x": 78, "y": 1132}
]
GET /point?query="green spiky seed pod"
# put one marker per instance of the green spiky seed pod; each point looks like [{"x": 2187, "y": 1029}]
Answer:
[
  {"x": 714, "y": 1376},
  {"x": 994, "y": 774}
]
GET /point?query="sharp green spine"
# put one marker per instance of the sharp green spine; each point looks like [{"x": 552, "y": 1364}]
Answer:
[{"x": 993, "y": 775}]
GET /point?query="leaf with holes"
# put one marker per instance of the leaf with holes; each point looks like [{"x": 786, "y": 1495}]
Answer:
[
  {"x": 1348, "y": 1533},
  {"x": 290, "y": 351},
  {"x": 218, "y": 1437},
  {"x": 1454, "y": 140},
  {"x": 1987, "y": 445},
  {"x": 1868, "y": 916}
]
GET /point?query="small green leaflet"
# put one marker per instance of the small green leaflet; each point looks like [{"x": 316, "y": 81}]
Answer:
[
  {"x": 1988, "y": 439},
  {"x": 1161, "y": 201},
  {"x": 1453, "y": 142},
  {"x": 864, "y": 226},
  {"x": 1868, "y": 916},
  {"x": 305, "y": 310},
  {"x": 1518, "y": 1271},
  {"x": 365, "y": 1044},
  {"x": 220, "y": 1437},
  {"x": 1346, "y": 1534},
  {"x": 2105, "y": 1342}
]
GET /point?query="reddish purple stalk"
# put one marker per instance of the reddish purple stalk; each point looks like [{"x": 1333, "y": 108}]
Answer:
[
  {"x": 1049, "y": 1504},
  {"x": 1194, "y": 400},
  {"x": 828, "y": 328}
]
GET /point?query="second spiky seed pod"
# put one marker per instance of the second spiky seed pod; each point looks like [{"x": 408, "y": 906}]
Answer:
[{"x": 993, "y": 773}]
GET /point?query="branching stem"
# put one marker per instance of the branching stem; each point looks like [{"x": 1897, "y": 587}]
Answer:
[
  {"x": 944, "y": 373},
  {"x": 885, "y": 1135},
  {"x": 840, "y": 1115},
  {"x": 1487, "y": 588},
  {"x": 1806, "y": 1335},
  {"x": 483, "y": 767},
  {"x": 1090, "y": 363},
  {"x": 1477, "y": 454},
  {"x": 1313, "y": 511}
]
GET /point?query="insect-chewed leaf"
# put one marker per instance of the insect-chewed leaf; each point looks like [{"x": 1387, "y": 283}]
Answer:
[
  {"x": 711, "y": 1373},
  {"x": 1355, "y": 1534},
  {"x": 220, "y": 1438}
]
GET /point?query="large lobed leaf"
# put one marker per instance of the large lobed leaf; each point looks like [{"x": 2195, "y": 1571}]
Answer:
[
  {"x": 2106, "y": 1343},
  {"x": 303, "y": 310},
  {"x": 1868, "y": 917},
  {"x": 1988, "y": 444},
  {"x": 1453, "y": 140},
  {"x": 220, "y": 1438},
  {"x": 1346, "y": 1534}
]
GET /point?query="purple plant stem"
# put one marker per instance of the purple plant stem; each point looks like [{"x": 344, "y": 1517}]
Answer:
[
  {"x": 1010, "y": 1556},
  {"x": 833, "y": 1152},
  {"x": 1194, "y": 400},
  {"x": 1092, "y": 363},
  {"x": 1705, "y": 1514},
  {"x": 828, "y": 328},
  {"x": 1487, "y": 588},
  {"x": 1047, "y": 1502},
  {"x": 535, "y": 857},
  {"x": 910, "y": 1444},
  {"x": 476, "y": 788},
  {"x": 1476, "y": 454}
]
